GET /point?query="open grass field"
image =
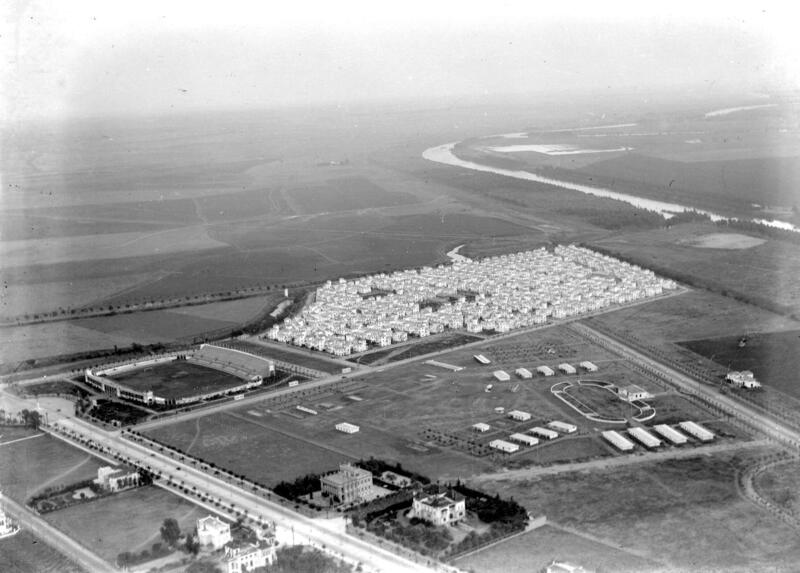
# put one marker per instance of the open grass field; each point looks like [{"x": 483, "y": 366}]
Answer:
[
  {"x": 763, "y": 274},
  {"x": 127, "y": 521},
  {"x": 11, "y": 433},
  {"x": 601, "y": 402},
  {"x": 415, "y": 414},
  {"x": 781, "y": 485},
  {"x": 26, "y": 553},
  {"x": 534, "y": 550},
  {"x": 178, "y": 379},
  {"x": 31, "y": 465},
  {"x": 774, "y": 357},
  {"x": 224, "y": 440},
  {"x": 686, "y": 514},
  {"x": 693, "y": 316}
]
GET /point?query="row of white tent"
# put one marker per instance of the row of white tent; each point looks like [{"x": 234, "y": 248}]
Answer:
[
  {"x": 648, "y": 440},
  {"x": 525, "y": 374}
]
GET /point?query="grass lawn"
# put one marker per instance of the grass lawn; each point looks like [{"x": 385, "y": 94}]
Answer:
[
  {"x": 687, "y": 512},
  {"x": 604, "y": 402},
  {"x": 127, "y": 521},
  {"x": 31, "y": 465},
  {"x": 229, "y": 442},
  {"x": 781, "y": 484},
  {"x": 26, "y": 553},
  {"x": 536, "y": 549},
  {"x": 672, "y": 409},
  {"x": 177, "y": 379},
  {"x": 10, "y": 433}
]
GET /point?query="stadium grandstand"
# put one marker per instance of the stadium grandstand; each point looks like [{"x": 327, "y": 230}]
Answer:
[
  {"x": 138, "y": 380},
  {"x": 264, "y": 352}
]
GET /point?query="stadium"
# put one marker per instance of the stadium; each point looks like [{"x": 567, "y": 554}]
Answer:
[{"x": 182, "y": 377}]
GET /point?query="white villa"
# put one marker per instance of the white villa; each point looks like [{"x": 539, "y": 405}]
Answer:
[
  {"x": 212, "y": 531},
  {"x": 115, "y": 479},
  {"x": 350, "y": 484},
  {"x": 439, "y": 508},
  {"x": 743, "y": 379},
  {"x": 242, "y": 557},
  {"x": 498, "y": 294}
]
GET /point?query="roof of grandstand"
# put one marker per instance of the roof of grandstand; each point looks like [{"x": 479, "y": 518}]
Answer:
[{"x": 234, "y": 359}]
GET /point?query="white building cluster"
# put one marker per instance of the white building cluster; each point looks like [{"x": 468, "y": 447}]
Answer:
[{"x": 496, "y": 294}]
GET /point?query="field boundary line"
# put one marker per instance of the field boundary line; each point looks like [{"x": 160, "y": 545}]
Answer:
[{"x": 39, "y": 435}]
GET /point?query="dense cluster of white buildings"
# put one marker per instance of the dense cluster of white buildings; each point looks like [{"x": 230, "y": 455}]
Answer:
[{"x": 496, "y": 294}]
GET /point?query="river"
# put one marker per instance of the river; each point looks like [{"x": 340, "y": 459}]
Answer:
[{"x": 444, "y": 154}]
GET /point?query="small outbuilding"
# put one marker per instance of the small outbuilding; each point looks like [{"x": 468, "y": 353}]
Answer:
[
  {"x": 501, "y": 375},
  {"x": 567, "y": 368},
  {"x": 504, "y": 446},
  {"x": 519, "y": 415}
]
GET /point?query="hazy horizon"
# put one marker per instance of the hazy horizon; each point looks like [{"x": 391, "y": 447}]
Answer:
[{"x": 92, "y": 60}]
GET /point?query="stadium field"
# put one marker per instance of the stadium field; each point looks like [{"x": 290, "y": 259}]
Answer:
[{"x": 178, "y": 379}]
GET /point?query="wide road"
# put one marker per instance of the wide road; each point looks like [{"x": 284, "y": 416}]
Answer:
[{"x": 328, "y": 533}]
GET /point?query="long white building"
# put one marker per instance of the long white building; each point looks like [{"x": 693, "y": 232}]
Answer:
[{"x": 496, "y": 294}]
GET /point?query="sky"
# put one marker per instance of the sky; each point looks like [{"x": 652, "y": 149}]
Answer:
[{"x": 81, "y": 57}]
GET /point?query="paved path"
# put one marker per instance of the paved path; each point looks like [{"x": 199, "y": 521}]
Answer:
[
  {"x": 52, "y": 536},
  {"x": 20, "y": 440}
]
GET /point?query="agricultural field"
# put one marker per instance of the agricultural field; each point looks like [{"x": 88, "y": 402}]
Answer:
[
  {"x": 26, "y": 553},
  {"x": 31, "y": 465},
  {"x": 178, "y": 379},
  {"x": 126, "y": 521},
  {"x": 684, "y": 514},
  {"x": 534, "y": 550}
]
